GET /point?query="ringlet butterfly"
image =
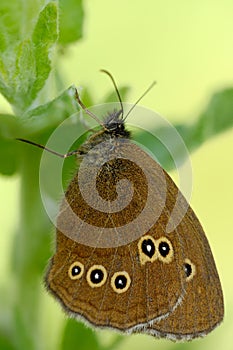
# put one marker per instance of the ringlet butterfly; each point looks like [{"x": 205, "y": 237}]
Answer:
[{"x": 117, "y": 265}]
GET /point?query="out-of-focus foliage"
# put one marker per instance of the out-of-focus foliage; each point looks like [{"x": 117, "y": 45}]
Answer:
[{"x": 32, "y": 34}]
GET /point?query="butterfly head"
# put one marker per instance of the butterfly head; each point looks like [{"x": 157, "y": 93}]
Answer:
[{"x": 114, "y": 124}]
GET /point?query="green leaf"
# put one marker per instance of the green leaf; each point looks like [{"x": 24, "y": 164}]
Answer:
[
  {"x": 11, "y": 19},
  {"x": 39, "y": 121},
  {"x": 50, "y": 114},
  {"x": 26, "y": 40},
  {"x": 9, "y": 126},
  {"x": 217, "y": 118},
  {"x": 70, "y": 21},
  {"x": 77, "y": 336},
  {"x": 44, "y": 37},
  {"x": 5, "y": 343},
  {"x": 88, "y": 99},
  {"x": 112, "y": 97}
]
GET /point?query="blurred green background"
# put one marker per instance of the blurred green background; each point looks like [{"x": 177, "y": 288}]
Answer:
[{"x": 187, "y": 47}]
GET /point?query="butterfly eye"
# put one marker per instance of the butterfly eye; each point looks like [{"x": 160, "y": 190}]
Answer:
[
  {"x": 96, "y": 276},
  {"x": 147, "y": 249},
  {"x": 165, "y": 250},
  {"x": 76, "y": 270},
  {"x": 189, "y": 269},
  {"x": 120, "y": 282}
]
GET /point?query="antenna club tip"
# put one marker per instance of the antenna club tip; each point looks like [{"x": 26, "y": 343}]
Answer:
[{"x": 106, "y": 72}]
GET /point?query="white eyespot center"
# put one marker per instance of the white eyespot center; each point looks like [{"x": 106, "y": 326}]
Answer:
[
  {"x": 165, "y": 250},
  {"x": 147, "y": 249},
  {"x": 76, "y": 270},
  {"x": 190, "y": 269},
  {"x": 96, "y": 276},
  {"x": 120, "y": 282}
]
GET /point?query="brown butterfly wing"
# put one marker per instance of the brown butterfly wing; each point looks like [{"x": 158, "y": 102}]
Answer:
[
  {"x": 201, "y": 308},
  {"x": 104, "y": 305},
  {"x": 145, "y": 284}
]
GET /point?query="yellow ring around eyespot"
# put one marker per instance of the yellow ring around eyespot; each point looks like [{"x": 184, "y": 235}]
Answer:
[
  {"x": 96, "y": 267},
  {"x": 143, "y": 257},
  {"x": 193, "y": 267},
  {"x": 115, "y": 275},
  {"x": 78, "y": 264},
  {"x": 167, "y": 259}
]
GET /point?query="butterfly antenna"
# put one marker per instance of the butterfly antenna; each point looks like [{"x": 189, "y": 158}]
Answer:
[
  {"x": 86, "y": 110},
  {"x": 116, "y": 88},
  {"x": 49, "y": 150},
  {"x": 140, "y": 98}
]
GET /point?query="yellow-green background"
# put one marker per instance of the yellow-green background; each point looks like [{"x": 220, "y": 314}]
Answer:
[{"x": 187, "y": 47}]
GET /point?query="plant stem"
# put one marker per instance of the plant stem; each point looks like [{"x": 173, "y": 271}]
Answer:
[{"x": 30, "y": 254}]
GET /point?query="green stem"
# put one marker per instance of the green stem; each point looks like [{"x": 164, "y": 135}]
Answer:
[{"x": 30, "y": 254}]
